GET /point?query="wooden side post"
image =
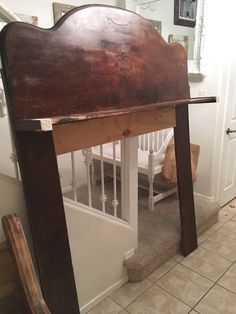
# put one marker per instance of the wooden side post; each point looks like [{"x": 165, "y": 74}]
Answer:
[
  {"x": 185, "y": 185},
  {"x": 41, "y": 184}
]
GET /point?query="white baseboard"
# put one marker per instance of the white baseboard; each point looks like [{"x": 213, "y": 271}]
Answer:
[
  {"x": 69, "y": 188},
  {"x": 103, "y": 295},
  {"x": 206, "y": 198},
  {"x": 9, "y": 179}
]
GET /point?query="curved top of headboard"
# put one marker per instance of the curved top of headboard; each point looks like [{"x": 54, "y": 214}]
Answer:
[{"x": 95, "y": 60}]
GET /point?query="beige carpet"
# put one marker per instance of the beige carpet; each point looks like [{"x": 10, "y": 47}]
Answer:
[{"x": 158, "y": 231}]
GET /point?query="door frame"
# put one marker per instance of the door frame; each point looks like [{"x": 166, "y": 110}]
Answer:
[{"x": 221, "y": 113}]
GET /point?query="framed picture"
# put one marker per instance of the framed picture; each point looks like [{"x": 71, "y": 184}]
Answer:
[
  {"x": 182, "y": 40},
  {"x": 59, "y": 9},
  {"x": 156, "y": 25},
  {"x": 185, "y": 12}
]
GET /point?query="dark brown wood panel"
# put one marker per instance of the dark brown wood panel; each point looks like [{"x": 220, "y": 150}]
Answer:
[
  {"x": 185, "y": 186},
  {"x": 42, "y": 189},
  {"x": 96, "y": 58}
]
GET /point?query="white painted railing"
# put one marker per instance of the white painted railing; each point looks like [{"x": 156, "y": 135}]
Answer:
[
  {"x": 104, "y": 194},
  {"x": 151, "y": 154}
]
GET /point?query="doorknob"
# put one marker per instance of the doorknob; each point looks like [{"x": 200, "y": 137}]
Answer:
[{"x": 228, "y": 131}]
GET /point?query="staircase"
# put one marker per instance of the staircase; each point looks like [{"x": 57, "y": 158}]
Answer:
[{"x": 159, "y": 233}]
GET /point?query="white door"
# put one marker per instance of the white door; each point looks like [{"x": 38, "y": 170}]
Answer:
[{"x": 227, "y": 182}]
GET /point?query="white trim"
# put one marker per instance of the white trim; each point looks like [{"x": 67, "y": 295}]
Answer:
[
  {"x": 69, "y": 188},
  {"x": 103, "y": 295},
  {"x": 6, "y": 15},
  {"x": 129, "y": 254},
  {"x": 206, "y": 198},
  {"x": 95, "y": 212},
  {"x": 9, "y": 179},
  {"x": 221, "y": 111}
]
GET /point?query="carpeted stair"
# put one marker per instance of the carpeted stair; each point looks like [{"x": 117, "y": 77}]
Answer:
[
  {"x": 158, "y": 230},
  {"x": 159, "y": 233}
]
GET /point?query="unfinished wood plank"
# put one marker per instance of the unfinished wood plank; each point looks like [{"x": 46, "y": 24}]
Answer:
[
  {"x": 74, "y": 136},
  {"x": 27, "y": 277}
]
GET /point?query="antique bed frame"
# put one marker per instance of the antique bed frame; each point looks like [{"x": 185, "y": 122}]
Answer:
[{"x": 100, "y": 74}]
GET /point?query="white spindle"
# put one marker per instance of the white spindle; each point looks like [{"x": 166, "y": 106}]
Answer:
[
  {"x": 146, "y": 142},
  {"x": 103, "y": 197},
  {"x": 88, "y": 161},
  {"x": 115, "y": 202},
  {"x": 150, "y": 142},
  {"x": 142, "y": 142},
  {"x": 162, "y": 137},
  {"x": 155, "y": 141},
  {"x": 74, "y": 183}
]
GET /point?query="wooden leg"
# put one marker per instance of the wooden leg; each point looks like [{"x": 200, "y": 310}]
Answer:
[
  {"x": 42, "y": 189},
  {"x": 185, "y": 186}
]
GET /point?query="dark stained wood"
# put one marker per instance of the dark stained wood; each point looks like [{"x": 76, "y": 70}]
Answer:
[
  {"x": 46, "y": 124},
  {"x": 114, "y": 56},
  {"x": 96, "y": 62},
  {"x": 42, "y": 189},
  {"x": 27, "y": 277},
  {"x": 185, "y": 186}
]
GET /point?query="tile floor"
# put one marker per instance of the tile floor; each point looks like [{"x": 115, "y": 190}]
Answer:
[{"x": 203, "y": 282}]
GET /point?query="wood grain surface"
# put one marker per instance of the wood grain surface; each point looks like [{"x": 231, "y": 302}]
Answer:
[
  {"x": 96, "y": 58},
  {"x": 27, "y": 277}
]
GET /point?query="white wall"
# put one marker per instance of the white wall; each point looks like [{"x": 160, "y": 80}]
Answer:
[
  {"x": 12, "y": 200},
  {"x": 98, "y": 245},
  {"x": 43, "y": 8},
  {"x": 205, "y": 123},
  {"x": 164, "y": 11}
]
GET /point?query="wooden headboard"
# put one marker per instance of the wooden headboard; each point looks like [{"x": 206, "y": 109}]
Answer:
[{"x": 95, "y": 61}]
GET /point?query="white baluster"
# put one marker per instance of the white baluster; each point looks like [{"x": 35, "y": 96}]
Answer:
[
  {"x": 115, "y": 202},
  {"x": 142, "y": 142},
  {"x": 150, "y": 148},
  {"x": 73, "y": 183},
  {"x": 146, "y": 141},
  {"x": 103, "y": 197},
  {"x": 13, "y": 158},
  {"x": 155, "y": 141},
  {"x": 88, "y": 161}
]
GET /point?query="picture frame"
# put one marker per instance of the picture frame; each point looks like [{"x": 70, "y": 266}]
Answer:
[
  {"x": 157, "y": 25},
  {"x": 59, "y": 9},
  {"x": 180, "y": 39},
  {"x": 185, "y": 12}
]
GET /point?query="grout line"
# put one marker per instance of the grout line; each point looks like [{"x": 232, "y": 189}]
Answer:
[
  {"x": 218, "y": 284},
  {"x": 196, "y": 272},
  {"x": 173, "y": 295},
  {"x": 164, "y": 273},
  {"x": 136, "y": 296},
  {"x": 203, "y": 296},
  {"x": 230, "y": 260},
  {"x": 109, "y": 296}
]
